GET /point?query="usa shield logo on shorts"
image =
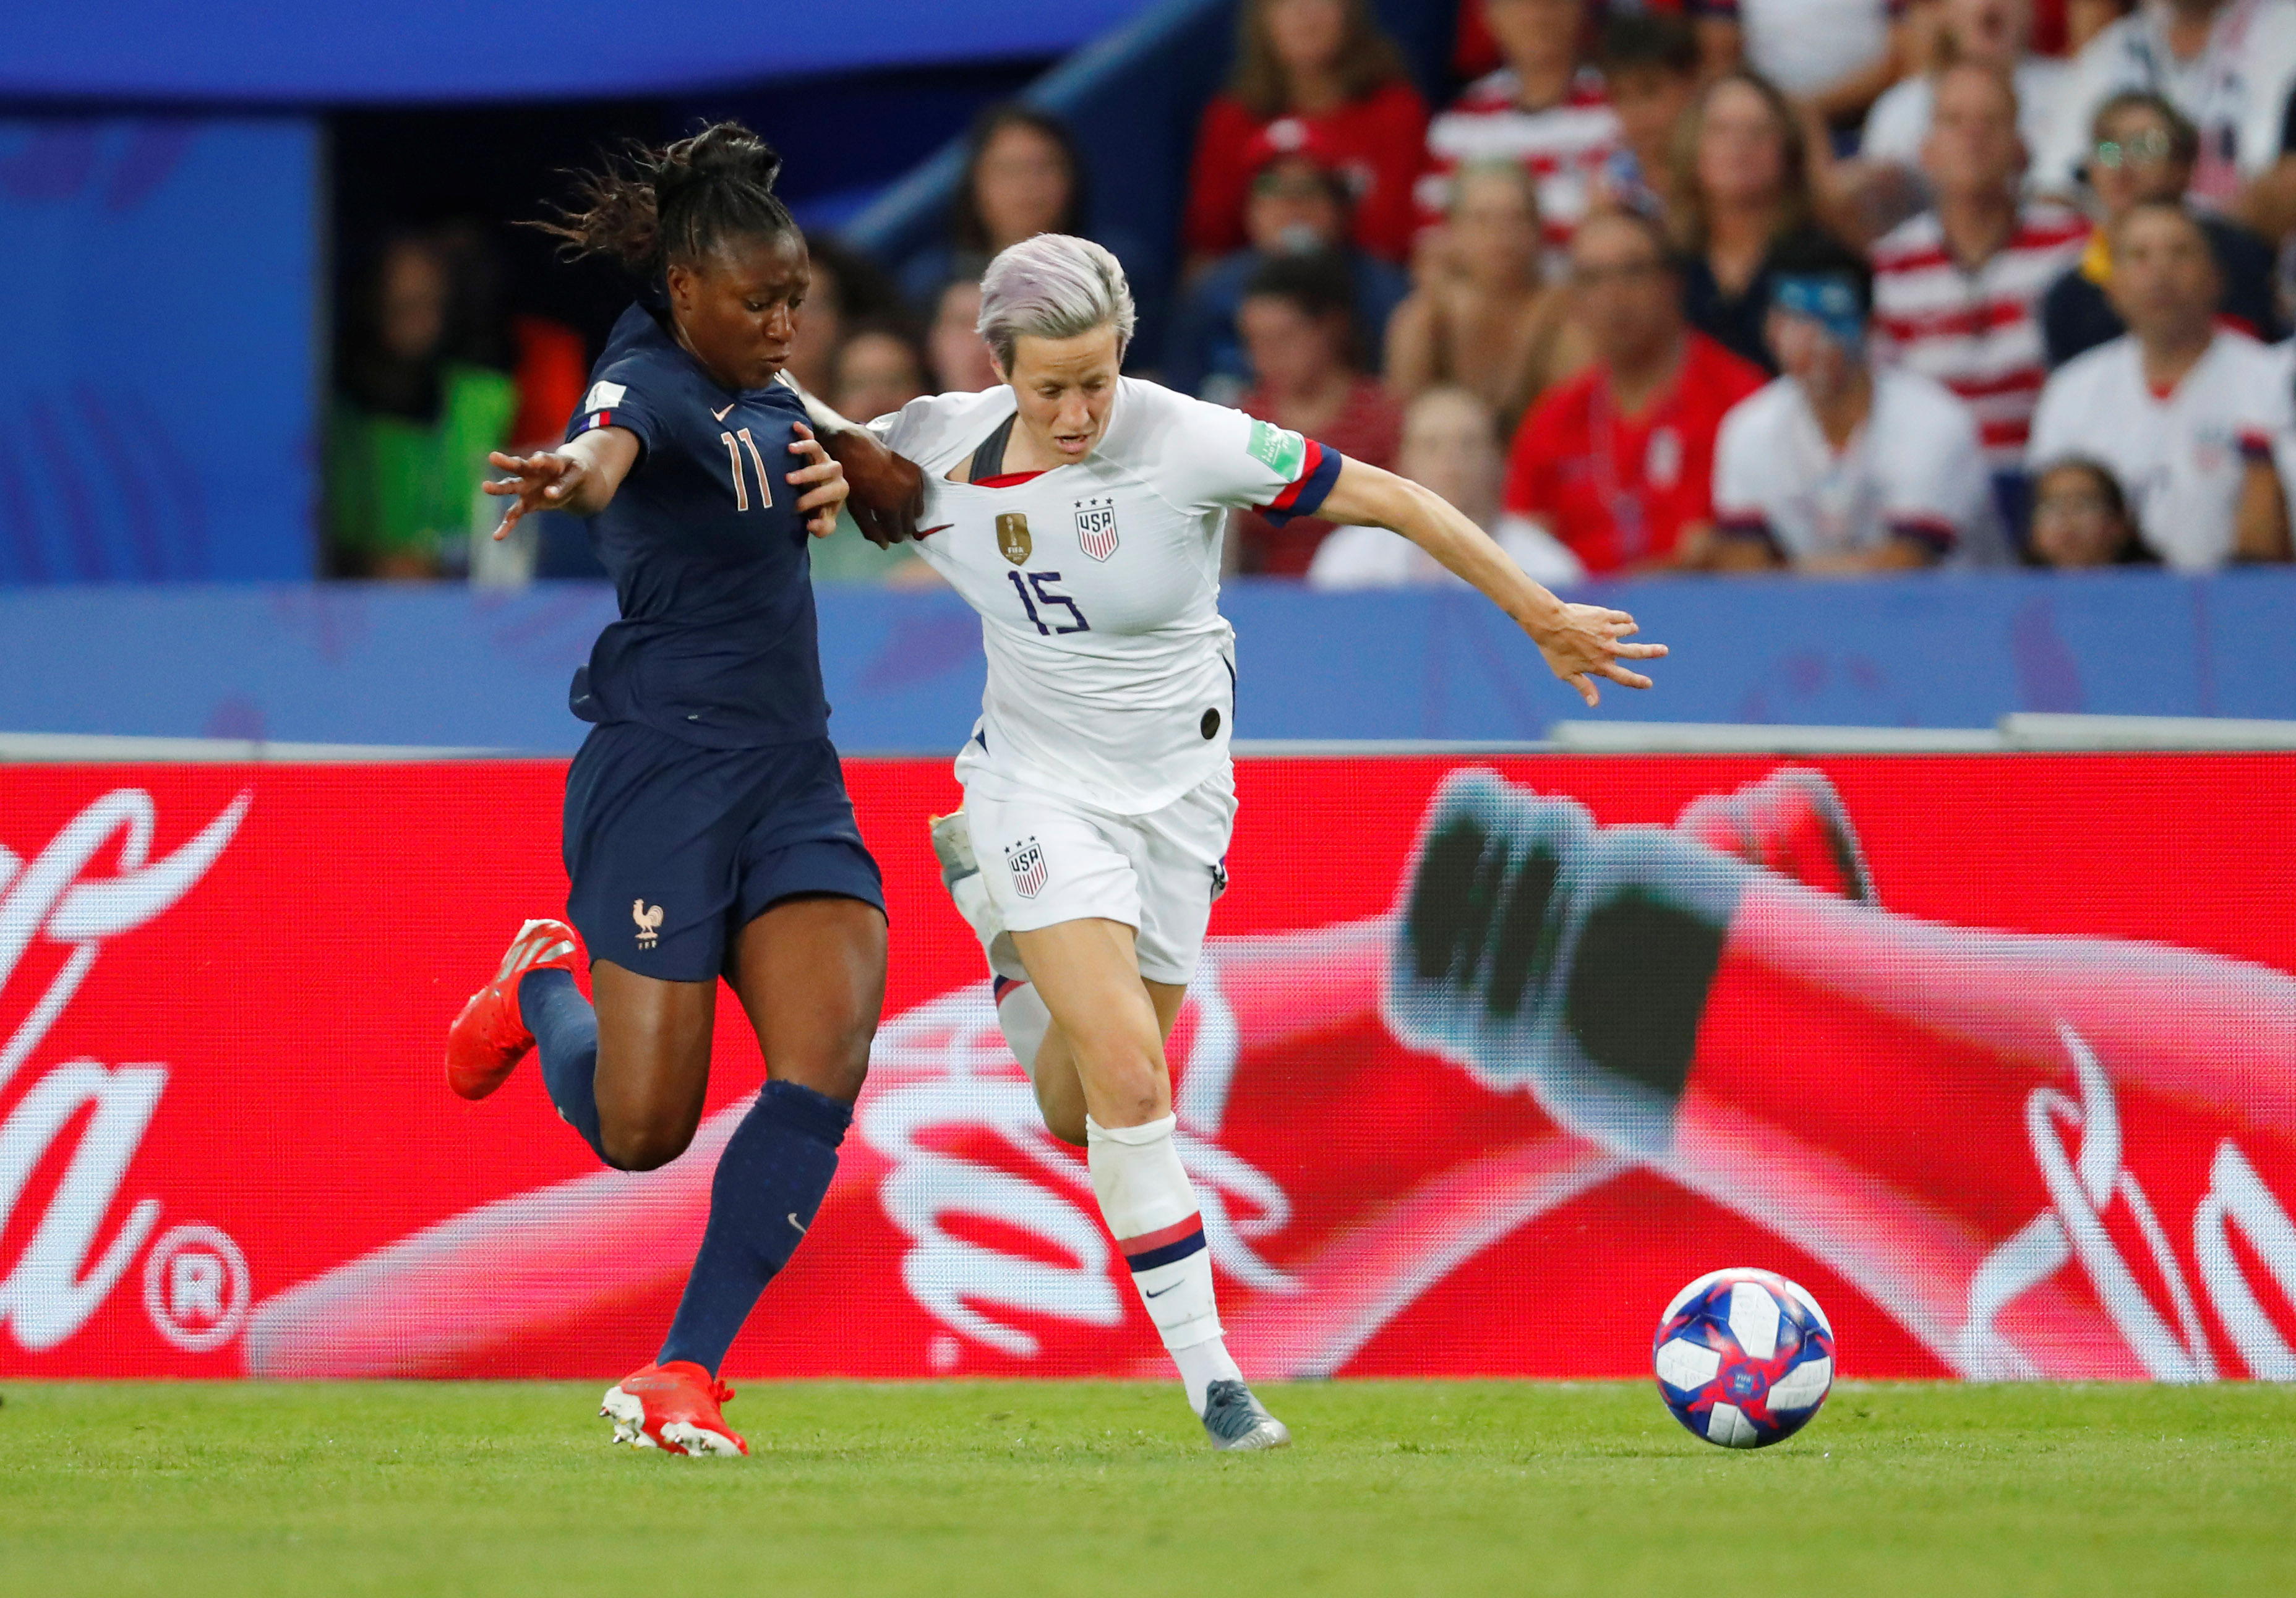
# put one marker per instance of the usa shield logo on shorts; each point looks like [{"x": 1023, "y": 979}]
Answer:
[
  {"x": 1096, "y": 527},
  {"x": 1013, "y": 541},
  {"x": 1028, "y": 864}
]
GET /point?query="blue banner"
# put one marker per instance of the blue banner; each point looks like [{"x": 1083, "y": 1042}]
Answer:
[
  {"x": 378, "y": 664},
  {"x": 158, "y": 309}
]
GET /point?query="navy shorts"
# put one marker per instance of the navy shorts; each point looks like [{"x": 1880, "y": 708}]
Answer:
[{"x": 672, "y": 849}]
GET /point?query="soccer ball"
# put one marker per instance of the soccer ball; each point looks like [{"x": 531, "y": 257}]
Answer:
[{"x": 1744, "y": 1359}]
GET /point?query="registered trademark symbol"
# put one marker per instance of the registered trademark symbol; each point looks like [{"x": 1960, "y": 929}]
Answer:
[{"x": 196, "y": 1288}]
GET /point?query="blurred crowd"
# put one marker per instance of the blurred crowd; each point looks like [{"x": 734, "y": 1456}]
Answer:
[{"x": 1674, "y": 286}]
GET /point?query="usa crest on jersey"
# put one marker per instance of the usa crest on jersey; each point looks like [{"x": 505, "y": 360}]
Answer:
[
  {"x": 1095, "y": 522},
  {"x": 1028, "y": 864}
]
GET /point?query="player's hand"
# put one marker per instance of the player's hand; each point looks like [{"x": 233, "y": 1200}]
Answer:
[
  {"x": 547, "y": 481},
  {"x": 888, "y": 491},
  {"x": 830, "y": 489},
  {"x": 1589, "y": 642}
]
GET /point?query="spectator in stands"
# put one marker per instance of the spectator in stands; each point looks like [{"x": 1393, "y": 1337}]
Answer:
[
  {"x": 1713, "y": 24},
  {"x": 1740, "y": 187},
  {"x": 2190, "y": 415},
  {"x": 2080, "y": 518},
  {"x": 961, "y": 360},
  {"x": 1543, "y": 108},
  {"x": 1997, "y": 34},
  {"x": 2228, "y": 65},
  {"x": 1492, "y": 326},
  {"x": 1319, "y": 70},
  {"x": 846, "y": 287},
  {"x": 1450, "y": 444},
  {"x": 1617, "y": 464},
  {"x": 879, "y": 369},
  {"x": 1833, "y": 57},
  {"x": 1957, "y": 290},
  {"x": 411, "y": 427},
  {"x": 1299, "y": 206},
  {"x": 1650, "y": 62},
  {"x": 1022, "y": 177},
  {"x": 2144, "y": 150},
  {"x": 2086, "y": 18},
  {"x": 1299, "y": 323},
  {"x": 1840, "y": 466}
]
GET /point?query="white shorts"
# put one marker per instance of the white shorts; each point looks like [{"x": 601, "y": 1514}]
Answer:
[{"x": 1046, "y": 858}]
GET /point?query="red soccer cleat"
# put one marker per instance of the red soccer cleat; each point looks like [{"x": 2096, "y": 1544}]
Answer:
[
  {"x": 672, "y": 1407},
  {"x": 489, "y": 1038}
]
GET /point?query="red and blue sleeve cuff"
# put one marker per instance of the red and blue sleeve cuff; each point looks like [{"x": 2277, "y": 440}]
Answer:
[
  {"x": 1932, "y": 533},
  {"x": 1306, "y": 494},
  {"x": 2256, "y": 446}
]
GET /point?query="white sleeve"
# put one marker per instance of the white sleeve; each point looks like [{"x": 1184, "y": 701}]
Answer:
[
  {"x": 2052, "y": 422},
  {"x": 2097, "y": 73},
  {"x": 1941, "y": 491},
  {"x": 1543, "y": 557},
  {"x": 1897, "y": 125},
  {"x": 1361, "y": 557},
  {"x": 1204, "y": 456},
  {"x": 1738, "y": 496}
]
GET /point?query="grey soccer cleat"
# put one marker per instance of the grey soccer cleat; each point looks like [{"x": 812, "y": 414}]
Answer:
[
  {"x": 1235, "y": 1419},
  {"x": 959, "y": 873}
]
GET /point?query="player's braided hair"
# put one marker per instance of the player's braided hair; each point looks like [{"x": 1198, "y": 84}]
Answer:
[{"x": 650, "y": 210}]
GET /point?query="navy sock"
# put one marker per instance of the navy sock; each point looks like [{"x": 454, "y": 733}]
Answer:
[
  {"x": 566, "y": 1037},
  {"x": 770, "y": 1181}
]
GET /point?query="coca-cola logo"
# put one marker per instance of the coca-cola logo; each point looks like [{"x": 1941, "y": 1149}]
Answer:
[
  {"x": 64, "y": 1273},
  {"x": 2085, "y": 1185},
  {"x": 944, "y": 1067}
]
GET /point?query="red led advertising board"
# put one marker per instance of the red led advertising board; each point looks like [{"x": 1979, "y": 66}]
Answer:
[{"x": 1995, "y": 1054}]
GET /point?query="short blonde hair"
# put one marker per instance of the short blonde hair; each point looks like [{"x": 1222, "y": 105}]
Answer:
[{"x": 1054, "y": 286}]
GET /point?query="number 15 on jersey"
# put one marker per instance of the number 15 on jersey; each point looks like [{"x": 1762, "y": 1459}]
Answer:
[{"x": 1040, "y": 584}]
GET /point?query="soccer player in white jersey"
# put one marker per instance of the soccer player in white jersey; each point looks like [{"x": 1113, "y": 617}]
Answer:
[{"x": 1081, "y": 513}]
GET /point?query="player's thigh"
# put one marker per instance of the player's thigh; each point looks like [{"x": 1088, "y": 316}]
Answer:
[
  {"x": 653, "y": 1063},
  {"x": 810, "y": 973},
  {"x": 1090, "y": 981},
  {"x": 1059, "y": 1089}
]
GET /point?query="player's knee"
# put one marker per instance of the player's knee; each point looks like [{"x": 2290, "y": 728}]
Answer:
[
  {"x": 1063, "y": 1119},
  {"x": 644, "y": 1144}
]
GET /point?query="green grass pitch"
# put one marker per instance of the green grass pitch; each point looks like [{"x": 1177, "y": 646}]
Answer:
[{"x": 1107, "y": 1490}]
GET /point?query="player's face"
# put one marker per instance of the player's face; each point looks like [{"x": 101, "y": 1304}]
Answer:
[
  {"x": 1539, "y": 35},
  {"x": 736, "y": 308},
  {"x": 2073, "y": 523},
  {"x": 1628, "y": 298},
  {"x": 2135, "y": 158},
  {"x": 1064, "y": 386},
  {"x": 1650, "y": 103},
  {"x": 1741, "y": 149},
  {"x": 1810, "y": 355},
  {"x": 1973, "y": 146},
  {"x": 2164, "y": 279}
]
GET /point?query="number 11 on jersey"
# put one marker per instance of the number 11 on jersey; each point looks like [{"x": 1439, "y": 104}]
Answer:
[{"x": 733, "y": 460}]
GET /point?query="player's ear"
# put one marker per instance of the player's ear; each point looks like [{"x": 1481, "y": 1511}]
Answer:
[{"x": 681, "y": 280}]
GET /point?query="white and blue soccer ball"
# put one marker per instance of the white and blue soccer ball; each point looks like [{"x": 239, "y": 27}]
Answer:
[{"x": 1744, "y": 1359}]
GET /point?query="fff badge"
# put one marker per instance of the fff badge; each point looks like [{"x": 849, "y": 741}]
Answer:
[{"x": 1095, "y": 522}]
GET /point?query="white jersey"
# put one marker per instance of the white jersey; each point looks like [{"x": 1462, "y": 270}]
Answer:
[
  {"x": 2182, "y": 460},
  {"x": 1913, "y": 470},
  {"x": 1112, "y": 673}
]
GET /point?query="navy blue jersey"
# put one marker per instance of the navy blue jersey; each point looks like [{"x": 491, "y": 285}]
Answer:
[{"x": 717, "y": 642}]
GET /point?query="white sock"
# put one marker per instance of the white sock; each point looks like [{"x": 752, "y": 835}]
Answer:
[
  {"x": 1020, "y": 1012},
  {"x": 1150, "y": 1209}
]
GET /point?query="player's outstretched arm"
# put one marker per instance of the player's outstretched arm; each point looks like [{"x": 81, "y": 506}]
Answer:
[
  {"x": 1580, "y": 643},
  {"x": 888, "y": 491},
  {"x": 580, "y": 478}
]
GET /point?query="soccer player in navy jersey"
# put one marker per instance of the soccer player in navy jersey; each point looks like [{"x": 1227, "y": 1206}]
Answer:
[{"x": 707, "y": 833}]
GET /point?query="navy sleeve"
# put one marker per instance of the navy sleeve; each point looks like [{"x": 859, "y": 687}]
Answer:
[{"x": 617, "y": 397}]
